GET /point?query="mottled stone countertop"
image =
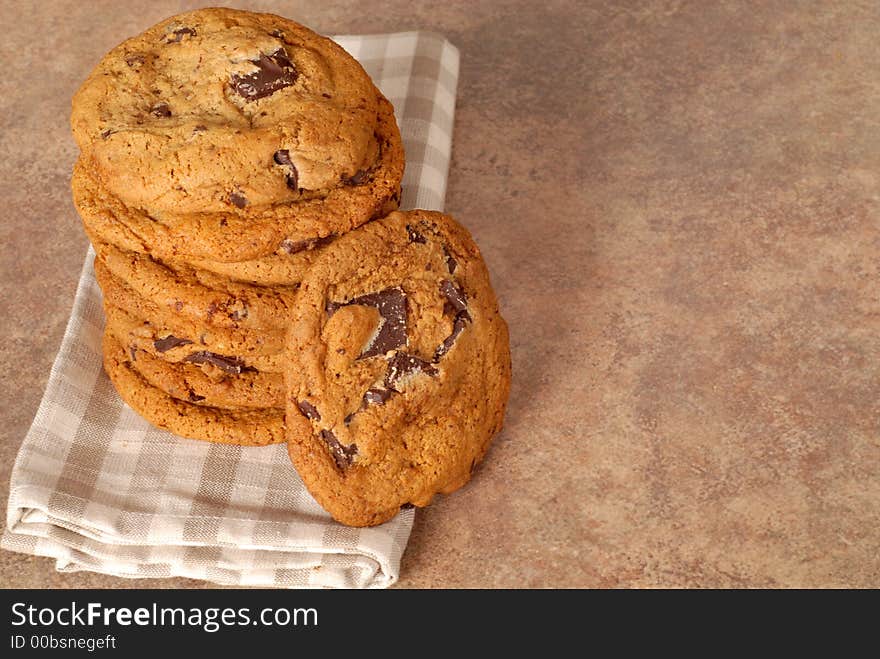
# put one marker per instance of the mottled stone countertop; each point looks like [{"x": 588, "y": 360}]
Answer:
[{"x": 680, "y": 206}]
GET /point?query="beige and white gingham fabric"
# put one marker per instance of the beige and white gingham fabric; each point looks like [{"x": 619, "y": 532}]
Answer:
[{"x": 98, "y": 488}]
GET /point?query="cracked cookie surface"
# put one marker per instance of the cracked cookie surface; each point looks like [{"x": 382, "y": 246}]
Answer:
[{"x": 399, "y": 367}]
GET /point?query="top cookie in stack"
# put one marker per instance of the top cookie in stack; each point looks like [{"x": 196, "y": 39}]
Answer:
[
  {"x": 225, "y": 136},
  {"x": 221, "y": 150}
]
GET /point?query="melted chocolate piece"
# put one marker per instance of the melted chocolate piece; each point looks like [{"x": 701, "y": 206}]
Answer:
[
  {"x": 273, "y": 72},
  {"x": 456, "y": 303},
  {"x": 282, "y": 157},
  {"x": 194, "y": 397},
  {"x": 355, "y": 179},
  {"x": 377, "y": 396},
  {"x": 391, "y": 305},
  {"x": 402, "y": 365},
  {"x": 461, "y": 320},
  {"x": 374, "y": 396},
  {"x": 451, "y": 263},
  {"x": 342, "y": 455},
  {"x": 237, "y": 199},
  {"x": 308, "y": 410},
  {"x": 178, "y": 34},
  {"x": 278, "y": 34},
  {"x": 455, "y": 297},
  {"x": 231, "y": 365},
  {"x": 160, "y": 110},
  {"x": 289, "y": 246},
  {"x": 170, "y": 341},
  {"x": 415, "y": 236},
  {"x": 105, "y": 134}
]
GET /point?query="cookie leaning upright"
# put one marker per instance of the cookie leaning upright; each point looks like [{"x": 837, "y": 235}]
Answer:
[
  {"x": 399, "y": 367},
  {"x": 220, "y": 134}
]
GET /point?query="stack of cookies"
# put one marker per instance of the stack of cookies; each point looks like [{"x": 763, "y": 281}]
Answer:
[
  {"x": 237, "y": 178},
  {"x": 219, "y": 152}
]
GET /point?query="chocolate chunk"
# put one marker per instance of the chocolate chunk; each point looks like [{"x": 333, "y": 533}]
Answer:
[
  {"x": 273, "y": 72},
  {"x": 374, "y": 396},
  {"x": 402, "y": 365},
  {"x": 457, "y": 327},
  {"x": 451, "y": 263},
  {"x": 455, "y": 297},
  {"x": 106, "y": 133},
  {"x": 355, "y": 179},
  {"x": 293, "y": 246},
  {"x": 456, "y": 303},
  {"x": 160, "y": 110},
  {"x": 377, "y": 396},
  {"x": 342, "y": 455},
  {"x": 231, "y": 365},
  {"x": 194, "y": 397},
  {"x": 178, "y": 34},
  {"x": 169, "y": 342},
  {"x": 237, "y": 199},
  {"x": 415, "y": 236},
  {"x": 391, "y": 305},
  {"x": 134, "y": 60},
  {"x": 282, "y": 157},
  {"x": 332, "y": 307},
  {"x": 308, "y": 410},
  {"x": 289, "y": 246},
  {"x": 278, "y": 34}
]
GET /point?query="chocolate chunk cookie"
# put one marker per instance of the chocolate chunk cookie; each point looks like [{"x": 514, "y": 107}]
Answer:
[
  {"x": 245, "y": 343},
  {"x": 177, "y": 344},
  {"x": 277, "y": 108},
  {"x": 399, "y": 367},
  {"x": 205, "y": 378},
  {"x": 246, "y": 131},
  {"x": 249, "y": 233},
  {"x": 247, "y": 427},
  {"x": 202, "y": 297}
]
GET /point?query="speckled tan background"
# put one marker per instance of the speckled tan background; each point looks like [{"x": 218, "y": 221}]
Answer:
[{"x": 680, "y": 205}]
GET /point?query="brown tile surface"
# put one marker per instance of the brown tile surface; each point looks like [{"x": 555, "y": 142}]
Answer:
[{"x": 680, "y": 205}]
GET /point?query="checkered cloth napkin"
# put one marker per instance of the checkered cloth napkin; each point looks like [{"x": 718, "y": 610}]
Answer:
[{"x": 98, "y": 488}]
